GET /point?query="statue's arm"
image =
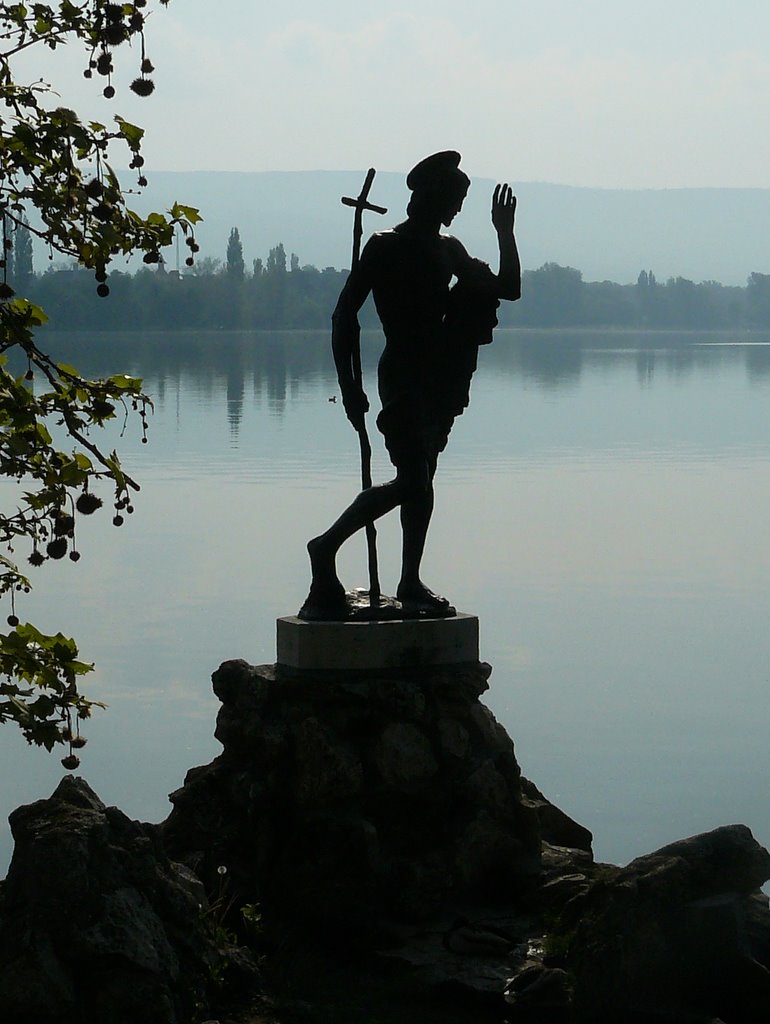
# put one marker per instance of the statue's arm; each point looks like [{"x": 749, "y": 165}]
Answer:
[
  {"x": 346, "y": 334},
  {"x": 503, "y": 216}
]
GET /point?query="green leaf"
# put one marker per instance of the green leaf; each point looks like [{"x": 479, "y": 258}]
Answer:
[
  {"x": 126, "y": 383},
  {"x": 132, "y": 133},
  {"x": 189, "y": 213},
  {"x": 42, "y": 433},
  {"x": 66, "y": 370}
]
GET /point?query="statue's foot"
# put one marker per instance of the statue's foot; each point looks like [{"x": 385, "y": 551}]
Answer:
[
  {"x": 416, "y": 599},
  {"x": 326, "y": 600},
  {"x": 324, "y": 604}
]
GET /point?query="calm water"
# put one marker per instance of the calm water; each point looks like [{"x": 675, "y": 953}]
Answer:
[{"x": 602, "y": 507}]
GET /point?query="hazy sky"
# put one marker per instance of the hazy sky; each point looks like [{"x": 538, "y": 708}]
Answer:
[{"x": 611, "y": 93}]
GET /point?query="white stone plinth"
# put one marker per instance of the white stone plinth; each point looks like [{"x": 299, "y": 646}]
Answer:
[{"x": 399, "y": 643}]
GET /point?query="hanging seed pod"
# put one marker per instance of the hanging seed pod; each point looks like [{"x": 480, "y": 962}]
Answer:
[
  {"x": 142, "y": 86},
  {"x": 63, "y": 525},
  {"x": 57, "y": 548},
  {"x": 116, "y": 33},
  {"x": 88, "y": 503}
]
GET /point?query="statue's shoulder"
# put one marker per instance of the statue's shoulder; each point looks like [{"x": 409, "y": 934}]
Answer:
[
  {"x": 381, "y": 241},
  {"x": 453, "y": 243},
  {"x": 381, "y": 249}
]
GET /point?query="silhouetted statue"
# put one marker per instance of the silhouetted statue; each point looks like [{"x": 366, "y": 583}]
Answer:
[{"x": 432, "y": 333}]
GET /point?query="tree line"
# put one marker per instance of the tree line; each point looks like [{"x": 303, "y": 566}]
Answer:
[{"x": 281, "y": 293}]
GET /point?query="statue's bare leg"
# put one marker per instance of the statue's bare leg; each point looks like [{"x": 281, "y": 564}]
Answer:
[
  {"x": 327, "y": 594},
  {"x": 416, "y": 512}
]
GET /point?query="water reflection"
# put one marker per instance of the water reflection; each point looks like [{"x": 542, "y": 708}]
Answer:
[
  {"x": 275, "y": 365},
  {"x": 758, "y": 361}
]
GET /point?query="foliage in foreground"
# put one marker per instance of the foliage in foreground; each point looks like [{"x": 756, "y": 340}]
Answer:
[{"x": 56, "y": 181}]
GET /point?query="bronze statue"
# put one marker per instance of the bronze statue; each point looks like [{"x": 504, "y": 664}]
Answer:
[{"x": 432, "y": 333}]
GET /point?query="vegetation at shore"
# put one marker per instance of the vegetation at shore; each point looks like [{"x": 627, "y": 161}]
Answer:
[{"x": 284, "y": 294}]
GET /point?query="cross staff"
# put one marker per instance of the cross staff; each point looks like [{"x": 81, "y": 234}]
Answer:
[{"x": 359, "y": 205}]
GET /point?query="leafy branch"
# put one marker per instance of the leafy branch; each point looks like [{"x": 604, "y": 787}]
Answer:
[{"x": 57, "y": 182}]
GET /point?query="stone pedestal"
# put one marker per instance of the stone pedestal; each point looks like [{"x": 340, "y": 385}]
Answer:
[{"x": 359, "y": 646}]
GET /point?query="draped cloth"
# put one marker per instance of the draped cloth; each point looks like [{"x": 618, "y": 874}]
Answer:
[{"x": 425, "y": 372}]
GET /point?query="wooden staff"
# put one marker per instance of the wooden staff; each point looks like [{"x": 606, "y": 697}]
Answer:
[{"x": 359, "y": 205}]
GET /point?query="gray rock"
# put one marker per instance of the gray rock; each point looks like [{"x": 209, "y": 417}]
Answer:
[
  {"x": 556, "y": 827},
  {"x": 403, "y": 756},
  {"x": 96, "y": 923},
  {"x": 455, "y": 741},
  {"x": 326, "y": 771},
  {"x": 675, "y": 932},
  {"x": 487, "y": 787}
]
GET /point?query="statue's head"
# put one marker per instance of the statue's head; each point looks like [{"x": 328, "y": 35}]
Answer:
[{"x": 438, "y": 187}]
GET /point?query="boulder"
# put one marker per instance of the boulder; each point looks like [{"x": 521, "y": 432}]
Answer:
[
  {"x": 96, "y": 923},
  {"x": 679, "y": 934}
]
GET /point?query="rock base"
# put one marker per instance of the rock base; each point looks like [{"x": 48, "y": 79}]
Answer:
[{"x": 363, "y": 800}]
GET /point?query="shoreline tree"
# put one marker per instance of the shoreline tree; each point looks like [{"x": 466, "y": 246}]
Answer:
[
  {"x": 57, "y": 182},
  {"x": 235, "y": 266}
]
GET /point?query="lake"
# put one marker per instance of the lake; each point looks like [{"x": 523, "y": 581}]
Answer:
[{"x": 602, "y": 507}]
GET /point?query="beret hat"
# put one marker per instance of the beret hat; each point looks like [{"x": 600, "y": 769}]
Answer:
[{"x": 435, "y": 170}]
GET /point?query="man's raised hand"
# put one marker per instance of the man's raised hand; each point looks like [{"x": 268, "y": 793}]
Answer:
[{"x": 503, "y": 209}]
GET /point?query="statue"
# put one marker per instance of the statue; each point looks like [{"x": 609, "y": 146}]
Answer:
[{"x": 432, "y": 333}]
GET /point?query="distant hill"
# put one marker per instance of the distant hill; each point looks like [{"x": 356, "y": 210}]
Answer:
[{"x": 702, "y": 234}]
